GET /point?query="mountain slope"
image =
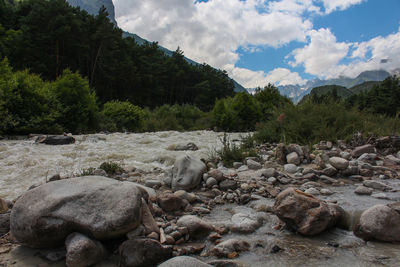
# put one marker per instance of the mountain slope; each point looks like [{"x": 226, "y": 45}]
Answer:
[
  {"x": 364, "y": 87},
  {"x": 297, "y": 92},
  {"x": 93, "y": 6}
]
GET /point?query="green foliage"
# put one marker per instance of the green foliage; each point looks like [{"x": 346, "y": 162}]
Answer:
[
  {"x": 87, "y": 172},
  {"x": 112, "y": 168},
  {"x": 230, "y": 152},
  {"x": 310, "y": 123},
  {"x": 76, "y": 102},
  {"x": 121, "y": 116}
]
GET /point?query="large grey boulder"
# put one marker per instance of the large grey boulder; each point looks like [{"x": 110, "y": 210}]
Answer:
[
  {"x": 187, "y": 173},
  {"x": 184, "y": 261},
  {"x": 380, "y": 222},
  {"x": 82, "y": 251},
  {"x": 57, "y": 140},
  {"x": 142, "y": 252},
  {"x": 306, "y": 214},
  {"x": 100, "y": 207}
]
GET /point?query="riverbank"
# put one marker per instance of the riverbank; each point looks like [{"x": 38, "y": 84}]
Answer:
[{"x": 238, "y": 206}]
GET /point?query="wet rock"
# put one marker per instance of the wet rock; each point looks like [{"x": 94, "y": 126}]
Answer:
[
  {"x": 339, "y": 163},
  {"x": 253, "y": 165},
  {"x": 187, "y": 173},
  {"x": 379, "y": 222},
  {"x": 290, "y": 168},
  {"x": 189, "y": 146},
  {"x": 306, "y": 214},
  {"x": 170, "y": 202},
  {"x": 217, "y": 175},
  {"x": 196, "y": 227},
  {"x": 362, "y": 190},
  {"x": 245, "y": 223},
  {"x": 184, "y": 261},
  {"x": 358, "y": 151},
  {"x": 211, "y": 182},
  {"x": 57, "y": 140},
  {"x": 102, "y": 207},
  {"x": 228, "y": 184},
  {"x": 229, "y": 246},
  {"x": 143, "y": 252},
  {"x": 293, "y": 158},
  {"x": 4, "y": 223},
  {"x": 82, "y": 251},
  {"x": 376, "y": 185}
]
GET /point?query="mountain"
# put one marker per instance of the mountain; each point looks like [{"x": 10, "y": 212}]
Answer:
[
  {"x": 341, "y": 91},
  {"x": 93, "y": 6},
  {"x": 297, "y": 92},
  {"x": 364, "y": 87}
]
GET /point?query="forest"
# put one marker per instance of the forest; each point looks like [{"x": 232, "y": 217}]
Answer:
[{"x": 64, "y": 70}]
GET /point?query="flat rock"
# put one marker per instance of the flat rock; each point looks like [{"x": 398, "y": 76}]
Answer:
[
  {"x": 99, "y": 206},
  {"x": 228, "y": 184},
  {"x": 376, "y": 185},
  {"x": 196, "y": 226},
  {"x": 253, "y": 165},
  {"x": 57, "y": 140},
  {"x": 339, "y": 163},
  {"x": 362, "y": 190},
  {"x": 358, "y": 151},
  {"x": 184, "y": 261},
  {"x": 245, "y": 223}
]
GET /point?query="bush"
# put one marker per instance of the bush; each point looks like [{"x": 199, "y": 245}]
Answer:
[
  {"x": 121, "y": 116},
  {"x": 111, "y": 168},
  {"x": 230, "y": 153}
]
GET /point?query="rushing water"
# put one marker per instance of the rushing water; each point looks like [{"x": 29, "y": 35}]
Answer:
[{"x": 24, "y": 163}]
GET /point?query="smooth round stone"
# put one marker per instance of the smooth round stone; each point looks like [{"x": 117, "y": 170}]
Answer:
[
  {"x": 290, "y": 168},
  {"x": 312, "y": 191}
]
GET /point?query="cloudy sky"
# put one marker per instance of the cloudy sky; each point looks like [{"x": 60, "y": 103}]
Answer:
[{"x": 278, "y": 41}]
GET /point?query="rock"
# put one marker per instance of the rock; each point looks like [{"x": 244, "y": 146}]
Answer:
[
  {"x": 237, "y": 165},
  {"x": 82, "y": 251},
  {"x": 139, "y": 231},
  {"x": 345, "y": 155},
  {"x": 362, "y": 190},
  {"x": 312, "y": 191},
  {"x": 4, "y": 223},
  {"x": 293, "y": 158},
  {"x": 55, "y": 177},
  {"x": 228, "y": 184},
  {"x": 216, "y": 174},
  {"x": 152, "y": 183},
  {"x": 185, "y": 195},
  {"x": 310, "y": 176},
  {"x": 326, "y": 179},
  {"x": 376, "y": 185},
  {"x": 184, "y": 261},
  {"x": 326, "y": 192},
  {"x": 368, "y": 158},
  {"x": 380, "y": 196},
  {"x": 243, "y": 168},
  {"x": 379, "y": 222},
  {"x": 226, "y": 263},
  {"x": 280, "y": 153},
  {"x": 306, "y": 214},
  {"x": 187, "y": 173},
  {"x": 101, "y": 207},
  {"x": 211, "y": 182},
  {"x": 358, "y": 151},
  {"x": 245, "y": 223},
  {"x": 290, "y": 168},
  {"x": 195, "y": 226},
  {"x": 329, "y": 171},
  {"x": 272, "y": 180},
  {"x": 270, "y": 172},
  {"x": 229, "y": 246},
  {"x": 339, "y": 163},
  {"x": 100, "y": 172},
  {"x": 3, "y": 206},
  {"x": 189, "y": 146},
  {"x": 57, "y": 140},
  {"x": 253, "y": 165},
  {"x": 170, "y": 202},
  {"x": 148, "y": 221},
  {"x": 394, "y": 159},
  {"x": 143, "y": 252},
  {"x": 297, "y": 149}
]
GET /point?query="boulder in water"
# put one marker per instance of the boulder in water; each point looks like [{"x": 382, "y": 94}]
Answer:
[
  {"x": 100, "y": 207},
  {"x": 306, "y": 214},
  {"x": 57, "y": 140},
  {"x": 187, "y": 173}
]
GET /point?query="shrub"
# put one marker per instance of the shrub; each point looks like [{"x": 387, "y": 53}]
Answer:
[
  {"x": 230, "y": 153},
  {"x": 111, "y": 168},
  {"x": 121, "y": 116}
]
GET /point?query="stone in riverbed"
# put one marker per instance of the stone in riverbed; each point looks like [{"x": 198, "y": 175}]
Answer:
[
  {"x": 358, "y": 151},
  {"x": 380, "y": 222},
  {"x": 293, "y": 158},
  {"x": 57, "y": 140},
  {"x": 170, "y": 202},
  {"x": 306, "y": 214},
  {"x": 290, "y": 168},
  {"x": 143, "y": 252},
  {"x": 216, "y": 174},
  {"x": 82, "y": 251},
  {"x": 4, "y": 223},
  {"x": 101, "y": 207},
  {"x": 196, "y": 226},
  {"x": 362, "y": 190},
  {"x": 245, "y": 223},
  {"x": 187, "y": 173},
  {"x": 339, "y": 163},
  {"x": 253, "y": 165},
  {"x": 229, "y": 246},
  {"x": 227, "y": 184},
  {"x": 184, "y": 261},
  {"x": 377, "y": 185}
]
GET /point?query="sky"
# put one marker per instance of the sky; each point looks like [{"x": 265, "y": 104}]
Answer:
[{"x": 276, "y": 41}]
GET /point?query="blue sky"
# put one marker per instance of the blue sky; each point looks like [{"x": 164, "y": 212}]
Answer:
[{"x": 278, "y": 41}]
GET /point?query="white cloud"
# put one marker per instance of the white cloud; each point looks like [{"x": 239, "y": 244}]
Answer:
[
  {"x": 322, "y": 54},
  {"x": 332, "y": 5},
  {"x": 213, "y": 31},
  {"x": 253, "y": 79}
]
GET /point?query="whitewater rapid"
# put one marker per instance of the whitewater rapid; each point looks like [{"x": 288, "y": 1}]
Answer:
[{"x": 24, "y": 163}]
